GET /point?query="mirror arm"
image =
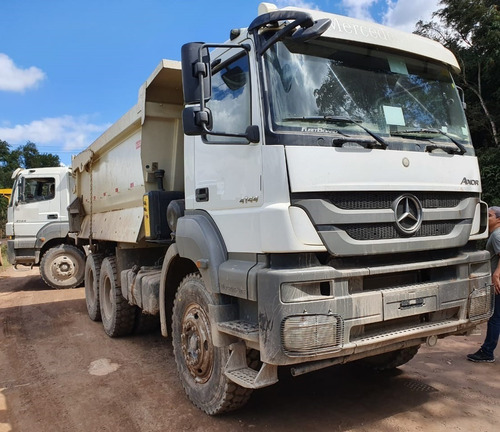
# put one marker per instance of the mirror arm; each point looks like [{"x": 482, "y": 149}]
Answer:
[{"x": 285, "y": 31}]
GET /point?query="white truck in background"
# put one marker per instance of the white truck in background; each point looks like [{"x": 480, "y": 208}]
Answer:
[
  {"x": 305, "y": 194},
  {"x": 37, "y": 226}
]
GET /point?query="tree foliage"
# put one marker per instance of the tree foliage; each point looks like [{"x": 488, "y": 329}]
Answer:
[
  {"x": 471, "y": 30},
  {"x": 26, "y": 156}
]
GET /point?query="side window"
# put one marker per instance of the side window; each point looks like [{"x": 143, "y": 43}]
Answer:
[
  {"x": 230, "y": 102},
  {"x": 37, "y": 189}
]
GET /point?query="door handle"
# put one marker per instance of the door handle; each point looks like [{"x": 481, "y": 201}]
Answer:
[
  {"x": 201, "y": 195},
  {"x": 53, "y": 216}
]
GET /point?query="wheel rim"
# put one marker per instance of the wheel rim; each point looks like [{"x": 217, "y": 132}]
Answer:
[
  {"x": 91, "y": 293},
  {"x": 106, "y": 301},
  {"x": 63, "y": 267},
  {"x": 196, "y": 342}
]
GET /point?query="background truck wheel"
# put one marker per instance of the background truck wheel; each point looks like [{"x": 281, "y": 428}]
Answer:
[
  {"x": 92, "y": 273},
  {"x": 117, "y": 314},
  {"x": 390, "y": 360},
  {"x": 63, "y": 267},
  {"x": 200, "y": 364}
]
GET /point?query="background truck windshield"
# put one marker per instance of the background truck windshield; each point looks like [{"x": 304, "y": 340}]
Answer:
[{"x": 332, "y": 88}]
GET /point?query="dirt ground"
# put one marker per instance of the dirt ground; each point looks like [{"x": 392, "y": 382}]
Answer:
[{"x": 60, "y": 372}]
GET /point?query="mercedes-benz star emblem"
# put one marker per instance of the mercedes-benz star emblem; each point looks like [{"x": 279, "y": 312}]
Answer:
[{"x": 408, "y": 214}]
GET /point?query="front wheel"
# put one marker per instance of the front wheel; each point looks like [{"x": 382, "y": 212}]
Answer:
[
  {"x": 63, "y": 267},
  {"x": 200, "y": 364}
]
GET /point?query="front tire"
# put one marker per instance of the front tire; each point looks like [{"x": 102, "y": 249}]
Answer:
[
  {"x": 92, "y": 274},
  {"x": 117, "y": 315},
  {"x": 200, "y": 364},
  {"x": 63, "y": 267}
]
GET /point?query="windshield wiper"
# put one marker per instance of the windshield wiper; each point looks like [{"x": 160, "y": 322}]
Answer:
[
  {"x": 340, "y": 119},
  {"x": 413, "y": 133}
]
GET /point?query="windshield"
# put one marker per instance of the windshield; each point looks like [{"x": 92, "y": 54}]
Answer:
[{"x": 330, "y": 92}]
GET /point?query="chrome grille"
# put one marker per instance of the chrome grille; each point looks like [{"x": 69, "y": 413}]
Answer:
[
  {"x": 388, "y": 231},
  {"x": 383, "y": 200}
]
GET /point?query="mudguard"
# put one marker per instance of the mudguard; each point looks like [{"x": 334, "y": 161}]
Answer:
[{"x": 199, "y": 240}]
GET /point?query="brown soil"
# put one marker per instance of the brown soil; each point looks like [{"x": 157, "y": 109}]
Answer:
[{"x": 60, "y": 372}]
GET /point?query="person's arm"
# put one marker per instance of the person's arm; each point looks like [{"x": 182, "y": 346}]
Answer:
[{"x": 495, "y": 278}]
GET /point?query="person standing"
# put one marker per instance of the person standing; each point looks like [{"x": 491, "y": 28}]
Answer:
[{"x": 485, "y": 353}]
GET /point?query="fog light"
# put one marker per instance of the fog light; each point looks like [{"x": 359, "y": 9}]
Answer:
[
  {"x": 481, "y": 302},
  {"x": 311, "y": 334}
]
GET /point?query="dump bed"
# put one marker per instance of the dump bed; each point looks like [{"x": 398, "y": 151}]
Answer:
[{"x": 116, "y": 170}]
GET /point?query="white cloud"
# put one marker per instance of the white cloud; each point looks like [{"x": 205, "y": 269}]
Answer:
[
  {"x": 399, "y": 14},
  {"x": 68, "y": 133},
  {"x": 16, "y": 79},
  {"x": 295, "y": 3},
  {"x": 359, "y": 8},
  {"x": 404, "y": 14}
]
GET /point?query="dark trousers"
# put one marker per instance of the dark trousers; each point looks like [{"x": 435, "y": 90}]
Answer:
[{"x": 493, "y": 331}]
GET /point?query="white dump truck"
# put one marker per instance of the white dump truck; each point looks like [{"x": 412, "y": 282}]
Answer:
[
  {"x": 37, "y": 226},
  {"x": 304, "y": 195}
]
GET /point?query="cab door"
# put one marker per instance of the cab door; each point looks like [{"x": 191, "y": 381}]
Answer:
[
  {"x": 228, "y": 169},
  {"x": 35, "y": 203}
]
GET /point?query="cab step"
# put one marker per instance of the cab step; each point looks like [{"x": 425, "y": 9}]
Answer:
[
  {"x": 241, "y": 329},
  {"x": 238, "y": 371}
]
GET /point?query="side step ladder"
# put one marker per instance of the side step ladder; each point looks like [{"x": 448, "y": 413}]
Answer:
[{"x": 237, "y": 370}]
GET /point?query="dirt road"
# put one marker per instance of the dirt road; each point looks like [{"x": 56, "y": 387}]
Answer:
[{"x": 60, "y": 372}]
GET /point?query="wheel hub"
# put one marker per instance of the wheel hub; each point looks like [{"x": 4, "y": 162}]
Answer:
[
  {"x": 63, "y": 267},
  {"x": 196, "y": 343}
]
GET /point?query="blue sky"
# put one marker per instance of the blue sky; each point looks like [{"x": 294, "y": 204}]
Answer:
[{"x": 69, "y": 69}]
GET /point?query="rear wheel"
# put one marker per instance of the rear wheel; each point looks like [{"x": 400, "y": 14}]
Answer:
[
  {"x": 63, "y": 267},
  {"x": 201, "y": 364},
  {"x": 390, "y": 360},
  {"x": 92, "y": 273},
  {"x": 117, "y": 315}
]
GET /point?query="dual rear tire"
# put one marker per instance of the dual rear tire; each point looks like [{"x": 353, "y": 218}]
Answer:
[
  {"x": 105, "y": 302},
  {"x": 200, "y": 364}
]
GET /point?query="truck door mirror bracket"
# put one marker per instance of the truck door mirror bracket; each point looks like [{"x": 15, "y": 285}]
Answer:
[
  {"x": 308, "y": 28},
  {"x": 196, "y": 121}
]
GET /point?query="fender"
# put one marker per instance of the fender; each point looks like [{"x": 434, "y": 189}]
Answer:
[
  {"x": 51, "y": 231},
  {"x": 198, "y": 246},
  {"x": 199, "y": 240},
  {"x": 170, "y": 256}
]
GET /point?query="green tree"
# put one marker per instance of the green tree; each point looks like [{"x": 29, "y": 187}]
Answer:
[
  {"x": 25, "y": 156},
  {"x": 471, "y": 29},
  {"x": 9, "y": 161},
  {"x": 30, "y": 157}
]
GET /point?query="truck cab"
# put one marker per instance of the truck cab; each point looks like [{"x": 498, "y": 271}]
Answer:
[{"x": 37, "y": 222}]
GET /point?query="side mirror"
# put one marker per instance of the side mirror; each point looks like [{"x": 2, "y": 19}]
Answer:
[
  {"x": 196, "y": 121},
  {"x": 199, "y": 122},
  {"x": 195, "y": 72}
]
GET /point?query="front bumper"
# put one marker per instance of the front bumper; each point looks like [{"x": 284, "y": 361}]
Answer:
[
  {"x": 322, "y": 312},
  {"x": 24, "y": 255}
]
